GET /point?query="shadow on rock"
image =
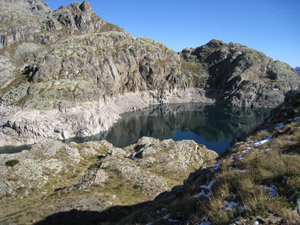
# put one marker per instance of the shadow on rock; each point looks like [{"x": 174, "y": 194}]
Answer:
[{"x": 73, "y": 217}]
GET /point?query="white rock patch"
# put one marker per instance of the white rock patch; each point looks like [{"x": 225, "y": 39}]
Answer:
[{"x": 263, "y": 141}]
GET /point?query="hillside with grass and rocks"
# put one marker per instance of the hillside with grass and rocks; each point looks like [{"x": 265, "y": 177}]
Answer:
[{"x": 75, "y": 73}]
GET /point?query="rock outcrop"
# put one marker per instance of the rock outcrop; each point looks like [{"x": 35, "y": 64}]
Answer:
[
  {"x": 54, "y": 176},
  {"x": 64, "y": 67},
  {"x": 240, "y": 76}
]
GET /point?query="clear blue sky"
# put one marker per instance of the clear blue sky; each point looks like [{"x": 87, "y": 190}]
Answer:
[{"x": 270, "y": 26}]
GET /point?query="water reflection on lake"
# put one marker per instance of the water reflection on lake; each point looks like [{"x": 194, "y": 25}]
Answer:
[{"x": 211, "y": 125}]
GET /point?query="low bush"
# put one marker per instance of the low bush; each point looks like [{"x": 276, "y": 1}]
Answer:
[{"x": 11, "y": 163}]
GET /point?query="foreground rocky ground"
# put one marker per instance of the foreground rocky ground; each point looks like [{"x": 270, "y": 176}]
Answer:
[{"x": 54, "y": 176}]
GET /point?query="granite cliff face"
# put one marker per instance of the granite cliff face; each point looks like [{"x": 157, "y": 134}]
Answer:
[
  {"x": 81, "y": 71},
  {"x": 67, "y": 73}
]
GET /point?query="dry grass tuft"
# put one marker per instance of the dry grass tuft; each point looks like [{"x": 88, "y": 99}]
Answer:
[
  {"x": 257, "y": 168},
  {"x": 184, "y": 204}
]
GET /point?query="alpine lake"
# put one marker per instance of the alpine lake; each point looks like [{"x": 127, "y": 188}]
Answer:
[{"x": 214, "y": 126}]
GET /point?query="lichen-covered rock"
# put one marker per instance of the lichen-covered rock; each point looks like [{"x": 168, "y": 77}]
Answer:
[{"x": 39, "y": 17}]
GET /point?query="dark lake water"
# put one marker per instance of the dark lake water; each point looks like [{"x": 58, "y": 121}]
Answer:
[{"x": 211, "y": 125}]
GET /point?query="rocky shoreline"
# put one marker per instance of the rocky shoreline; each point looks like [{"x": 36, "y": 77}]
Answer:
[{"x": 23, "y": 127}]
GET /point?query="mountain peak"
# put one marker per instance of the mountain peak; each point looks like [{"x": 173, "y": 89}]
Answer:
[
  {"x": 85, "y": 6},
  {"x": 80, "y": 16},
  {"x": 34, "y": 20},
  {"x": 215, "y": 43}
]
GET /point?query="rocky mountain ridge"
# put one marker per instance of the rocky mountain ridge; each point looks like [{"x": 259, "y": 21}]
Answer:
[
  {"x": 70, "y": 70},
  {"x": 242, "y": 76}
]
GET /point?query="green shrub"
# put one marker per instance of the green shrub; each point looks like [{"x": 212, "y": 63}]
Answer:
[{"x": 11, "y": 163}]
